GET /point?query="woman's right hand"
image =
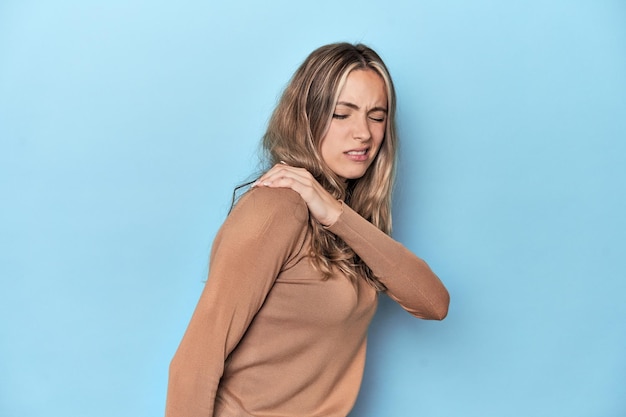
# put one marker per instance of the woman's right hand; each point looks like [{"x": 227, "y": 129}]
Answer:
[{"x": 322, "y": 205}]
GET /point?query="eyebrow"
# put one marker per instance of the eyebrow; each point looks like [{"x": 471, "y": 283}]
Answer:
[{"x": 355, "y": 107}]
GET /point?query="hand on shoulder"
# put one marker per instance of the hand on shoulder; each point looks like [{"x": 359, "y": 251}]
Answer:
[
  {"x": 262, "y": 209},
  {"x": 321, "y": 204}
]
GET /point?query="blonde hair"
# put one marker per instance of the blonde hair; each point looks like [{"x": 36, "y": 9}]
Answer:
[{"x": 294, "y": 134}]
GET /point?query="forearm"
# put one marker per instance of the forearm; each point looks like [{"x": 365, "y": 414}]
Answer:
[
  {"x": 191, "y": 390},
  {"x": 409, "y": 280}
]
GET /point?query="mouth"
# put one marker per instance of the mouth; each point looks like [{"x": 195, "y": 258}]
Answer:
[
  {"x": 358, "y": 155},
  {"x": 358, "y": 152}
]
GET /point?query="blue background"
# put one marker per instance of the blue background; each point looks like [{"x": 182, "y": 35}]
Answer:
[{"x": 125, "y": 125}]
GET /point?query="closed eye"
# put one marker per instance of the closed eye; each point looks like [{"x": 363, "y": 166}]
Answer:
[
  {"x": 339, "y": 116},
  {"x": 377, "y": 114}
]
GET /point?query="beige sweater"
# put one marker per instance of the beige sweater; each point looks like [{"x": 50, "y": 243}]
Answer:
[{"x": 271, "y": 338}]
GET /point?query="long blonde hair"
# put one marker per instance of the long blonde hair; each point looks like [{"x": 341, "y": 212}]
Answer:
[{"x": 294, "y": 134}]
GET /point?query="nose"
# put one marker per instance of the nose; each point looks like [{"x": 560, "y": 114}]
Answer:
[{"x": 361, "y": 129}]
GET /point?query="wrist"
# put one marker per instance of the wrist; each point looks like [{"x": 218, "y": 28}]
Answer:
[{"x": 333, "y": 214}]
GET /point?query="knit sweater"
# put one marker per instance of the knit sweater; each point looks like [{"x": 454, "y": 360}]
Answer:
[{"x": 270, "y": 337}]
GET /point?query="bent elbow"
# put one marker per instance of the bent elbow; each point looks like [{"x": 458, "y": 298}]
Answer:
[
  {"x": 440, "y": 308},
  {"x": 440, "y": 314}
]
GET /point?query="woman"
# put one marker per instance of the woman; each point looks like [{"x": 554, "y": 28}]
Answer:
[{"x": 280, "y": 328}]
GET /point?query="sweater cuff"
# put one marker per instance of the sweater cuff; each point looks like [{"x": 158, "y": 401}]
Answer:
[
  {"x": 330, "y": 226},
  {"x": 345, "y": 222}
]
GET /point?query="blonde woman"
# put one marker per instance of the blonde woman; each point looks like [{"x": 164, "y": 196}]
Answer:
[{"x": 295, "y": 272}]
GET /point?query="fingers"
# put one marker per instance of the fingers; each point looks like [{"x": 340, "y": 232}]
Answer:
[
  {"x": 324, "y": 207},
  {"x": 286, "y": 176}
]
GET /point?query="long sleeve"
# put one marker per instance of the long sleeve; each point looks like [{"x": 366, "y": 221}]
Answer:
[
  {"x": 409, "y": 280},
  {"x": 261, "y": 233}
]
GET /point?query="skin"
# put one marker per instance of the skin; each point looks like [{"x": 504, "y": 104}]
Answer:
[{"x": 349, "y": 147}]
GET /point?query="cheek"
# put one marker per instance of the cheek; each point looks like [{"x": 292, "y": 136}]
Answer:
[
  {"x": 379, "y": 135},
  {"x": 331, "y": 140},
  {"x": 327, "y": 147}
]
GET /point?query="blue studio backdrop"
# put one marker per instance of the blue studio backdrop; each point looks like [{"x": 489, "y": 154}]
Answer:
[{"x": 125, "y": 126}]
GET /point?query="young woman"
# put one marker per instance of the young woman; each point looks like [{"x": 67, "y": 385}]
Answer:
[{"x": 295, "y": 270}]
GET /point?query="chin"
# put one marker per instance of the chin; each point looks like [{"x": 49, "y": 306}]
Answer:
[
  {"x": 348, "y": 176},
  {"x": 350, "y": 173}
]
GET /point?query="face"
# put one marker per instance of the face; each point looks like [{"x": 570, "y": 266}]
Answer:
[{"x": 358, "y": 125}]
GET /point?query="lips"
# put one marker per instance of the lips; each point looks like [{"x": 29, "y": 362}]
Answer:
[
  {"x": 358, "y": 155},
  {"x": 357, "y": 152}
]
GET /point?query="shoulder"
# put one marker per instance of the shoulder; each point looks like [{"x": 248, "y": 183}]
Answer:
[{"x": 272, "y": 204}]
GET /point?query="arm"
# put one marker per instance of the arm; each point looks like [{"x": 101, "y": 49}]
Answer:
[
  {"x": 409, "y": 280},
  {"x": 258, "y": 236}
]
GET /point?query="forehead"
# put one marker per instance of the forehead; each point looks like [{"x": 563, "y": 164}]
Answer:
[{"x": 364, "y": 87}]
